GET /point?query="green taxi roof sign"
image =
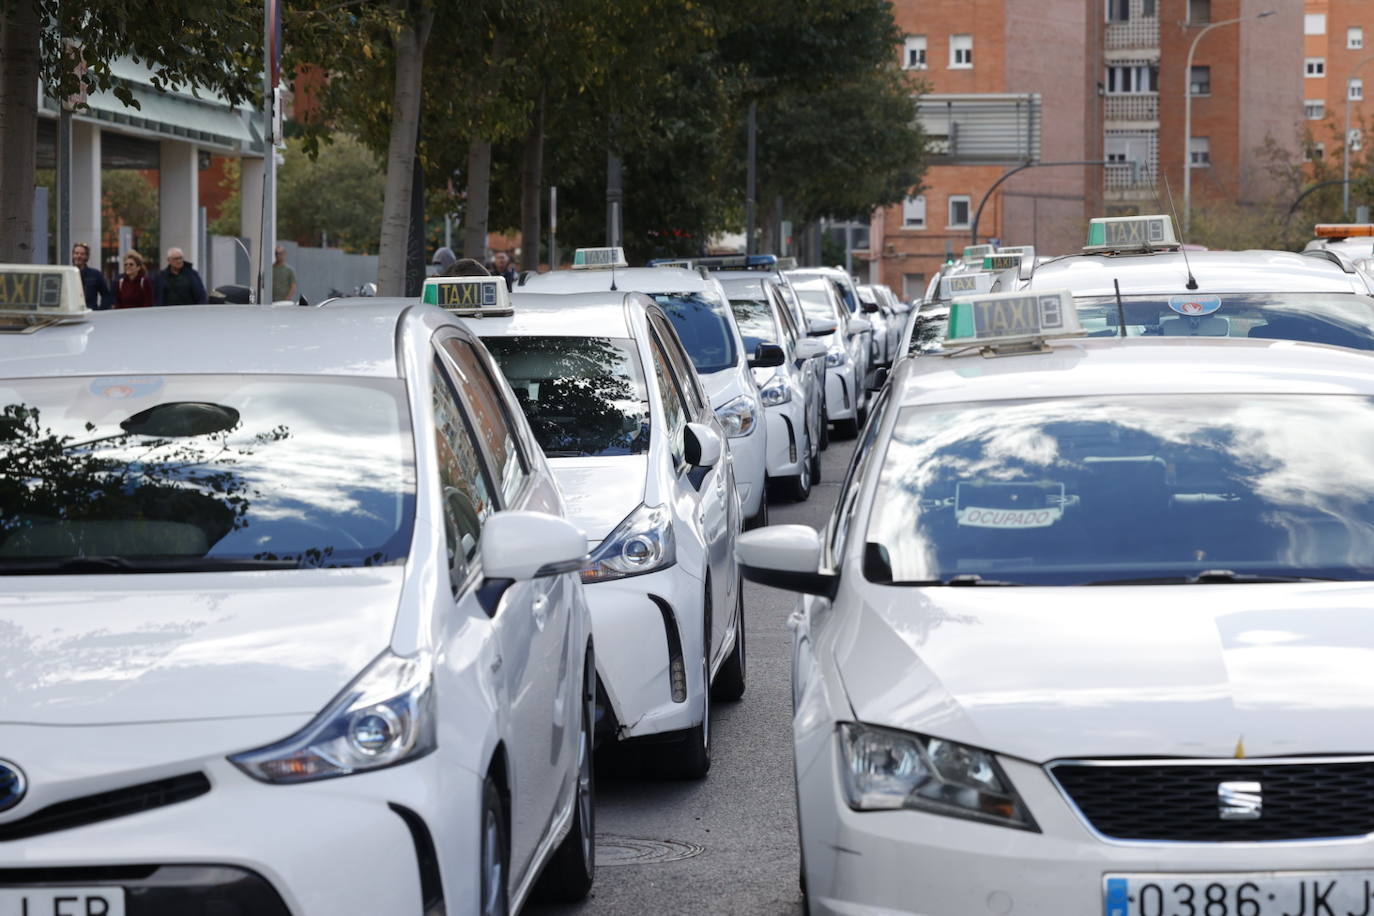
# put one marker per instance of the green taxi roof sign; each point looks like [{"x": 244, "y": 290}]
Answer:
[
  {"x": 471, "y": 297},
  {"x": 36, "y": 295},
  {"x": 976, "y": 252},
  {"x": 1002, "y": 261},
  {"x": 599, "y": 258},
  {"x": 1131, "y": 233},
  {"x": 1011, "y": 318},
  {"x": 952, "y": 285}
]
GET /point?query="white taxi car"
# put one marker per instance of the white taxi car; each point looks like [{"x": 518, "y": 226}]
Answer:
[
  {"x": 693, "y": 300},
  {"x": 1088, "y": 630},
  {"x": 847, "y": 292},
  {"x": 618, "y": 410},
  {"x": 274, "y": 640},
  {"x": 846, "y": 352}
]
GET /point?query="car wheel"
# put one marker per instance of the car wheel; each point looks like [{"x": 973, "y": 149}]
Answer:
[
  {"x": 568, "y": 876},
  {"x": 729, "y": 685},
  {"x": 798, "y": 487},
  {"x": 690, "y": 758},
  {"x": 846, "y": 429},
  {"x": 495, "y": 852},
  {"x": 825, "y": 433},
  {"x": 760, "y": 518}
]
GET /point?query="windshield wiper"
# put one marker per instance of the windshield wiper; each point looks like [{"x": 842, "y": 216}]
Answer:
[
  {"x": 964, "y": 580},
  {"x": 1214, "y": 577},
  {"x": 113, "y": 565}
]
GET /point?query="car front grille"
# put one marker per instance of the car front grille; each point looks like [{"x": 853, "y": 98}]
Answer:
[
  {"x": 1180, "y": 801},
  {"x": 104, "y": 806}
]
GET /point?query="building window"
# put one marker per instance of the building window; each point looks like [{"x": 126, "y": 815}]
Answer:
[
  {"x": 1200, "y": 83},
  {"x": 958, "y": 211},
  {"x": 1316, "y": 152},
  {"x": 1355, "y": 90},
  {"x": 1314, "y": 24},
  {"x": 1118, "y": 10},
  {"x": 914, "y": 212},
  {"x": 1132, "y": 79},
  {"x": 1314, "y": 109},
  {"x": 1354, "y": 38},
  {"x": 960, "y": 52},
  {"x": 1199, "y": 11},
  {"x": 915, "y": 57},
  {"x": 1147, "y": 9},
  {"x": 1316, "y": 66},
  {"x": 1200, "y": 152}
]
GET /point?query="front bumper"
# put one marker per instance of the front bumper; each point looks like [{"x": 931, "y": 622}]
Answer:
[
  {"x": 750, "y": 458},
  {"x": 787, "y": 442},
  {"x": 841, "y": 398}
]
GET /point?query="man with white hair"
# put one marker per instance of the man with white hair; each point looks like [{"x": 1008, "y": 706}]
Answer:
[{"x": 178, "y": 283}]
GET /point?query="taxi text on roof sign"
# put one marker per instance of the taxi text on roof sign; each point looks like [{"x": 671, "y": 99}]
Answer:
[
  {"x": 1011, "y": 317},
  {"x": 1001, "y": 261},
  {"x": 35, "y": 295},
  {"x": 599, "y": 258},
  {"x": 473, "y": 296},
  {"x": 1131, "y": 233}
]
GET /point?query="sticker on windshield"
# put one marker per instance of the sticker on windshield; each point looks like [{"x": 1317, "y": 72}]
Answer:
[
  {"x": 1032, "y": 504},
  {"x": 119, "y": 389},
  {"x": 1195, "y": 306}
]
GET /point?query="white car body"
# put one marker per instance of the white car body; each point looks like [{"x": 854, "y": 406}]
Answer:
[
  {"x": 847, "y": 294},
  {"x": 642, "y": 622},
  {"x": 117, "y": 680},
  {"x": 846, "y": 393},
  {"x": 729, "y": 387},
  {"x": 1122, "y": 676}
]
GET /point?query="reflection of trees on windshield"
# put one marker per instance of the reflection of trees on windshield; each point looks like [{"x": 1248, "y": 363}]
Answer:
[
  {"x": 581, "y": 395},
  {"x": 755, "y": 320},
  {"x": 929, "y": 333}
]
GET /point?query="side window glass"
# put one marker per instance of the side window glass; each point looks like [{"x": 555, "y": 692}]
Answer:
[
  {"x": 844, "y": 508},
  {"x": 466, "y": 491},
  {"x": 682, "y": 368},
  {"x": 491, "y": 416},
  {"x": 780, "y": 307},
  {"x": 674, "y": 410}
]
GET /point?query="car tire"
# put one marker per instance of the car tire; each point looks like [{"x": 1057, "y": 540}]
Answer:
[
  {"x": 495, "y": 854},
  {"x": 816, "y": 465},
  {"x": 825, "y": 431},
  {"x": 760, "y": 518},
  {"x": 690, "y": 757},
  {"x": 847, "y": 429},
  {"x": 568, "y": 876},
  {"x": 798, "y": 487},
  {"x": 729, "y": 685}
]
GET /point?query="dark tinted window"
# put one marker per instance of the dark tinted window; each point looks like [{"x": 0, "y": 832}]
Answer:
[
  {"x": 704, "y": 328},
  {"x": 928, "y": 335},
  {"x": 756, "y": 324},
  {"x": 582, "y": 395}
]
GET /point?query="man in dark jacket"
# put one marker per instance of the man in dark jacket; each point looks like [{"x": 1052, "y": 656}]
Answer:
[
  {"x": 92, "y": 281},
  {"x": 178, "y": 283}
]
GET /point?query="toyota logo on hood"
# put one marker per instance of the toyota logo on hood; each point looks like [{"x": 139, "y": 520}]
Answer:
[{"x": 13, "y": 785}]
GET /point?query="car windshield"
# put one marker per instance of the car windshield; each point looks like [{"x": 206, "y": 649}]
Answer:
[
  {"x": 703, "y": 324},
  {"x": 816, "y": 302},
  {"x": 1340, "y": 319},
  {"x": 583, "y": 396},
  {"x": 928, "y": 335},
  {"x": 756, "y": 324},
  {"x": 190, "y": 472},
  {"x": 1143, "y": 488}
]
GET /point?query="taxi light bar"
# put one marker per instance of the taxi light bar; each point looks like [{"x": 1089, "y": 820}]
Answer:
[
  {"x": 953, "y": 285},
  {"x": 1002, "y": 261},
  {"x": 1132, "y": 233},
  {"x": 666, "y": 262},
  {"x": 599, "y": 258},
  {"x": 33, "y": 296},
  {"x": 471, "y": 297},
  {"x": 1011, "y": 318},
  {"x": 1028, "y": 250},
  {"x": 1344, "y": 230},
  {"x": 976, "y": 252},
  {"x": 729, "y": 262}
]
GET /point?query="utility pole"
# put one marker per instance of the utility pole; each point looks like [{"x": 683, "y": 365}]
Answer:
[{"x": 615, "y": 196}]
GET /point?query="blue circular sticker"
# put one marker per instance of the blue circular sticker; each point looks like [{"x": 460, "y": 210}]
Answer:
[{"x": 1195, "y": 306}]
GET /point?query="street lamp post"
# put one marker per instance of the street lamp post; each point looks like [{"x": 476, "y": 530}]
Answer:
[
  {"x": 1188, "y": 118},
  {"x": 1345, "y": 145}
]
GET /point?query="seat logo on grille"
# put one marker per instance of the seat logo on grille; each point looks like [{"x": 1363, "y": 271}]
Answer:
[
  {"x": 1240, "y": 801},
  {"x": 13, "y": 785}
]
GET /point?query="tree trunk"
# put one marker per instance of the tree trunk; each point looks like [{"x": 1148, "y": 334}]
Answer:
[
  {"x": 478, "y": 200},
  {"x": 531, "y": 184},
  {"x": 19, "y": 35},
  {"x": 400, "y": 157}
]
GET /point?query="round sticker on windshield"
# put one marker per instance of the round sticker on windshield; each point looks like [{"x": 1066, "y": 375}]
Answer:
[
  {"x": 1195, "y": 306},
  {"x": 126, "y": 386}
]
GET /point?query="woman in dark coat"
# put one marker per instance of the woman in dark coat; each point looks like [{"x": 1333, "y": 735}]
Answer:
[{"x": 135, "y": 288}]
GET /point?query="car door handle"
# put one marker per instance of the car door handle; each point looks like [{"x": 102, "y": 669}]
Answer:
[{"x": 540, "y": 610}]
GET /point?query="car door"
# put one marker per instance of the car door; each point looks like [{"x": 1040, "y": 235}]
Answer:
[{"x": 487, "y": 470}]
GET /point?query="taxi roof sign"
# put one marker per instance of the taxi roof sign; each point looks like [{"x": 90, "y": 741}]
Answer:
[
  {"x": 471, "y": 297},
  {"x": 37, "y": 295},
  {"x": 1011, "y": 318},
  {"x": 1016, "y": 249},
  {"x": 599, "y": 258},
  {"x": 1001, "y": 261},
  {"x": 976, "y": 252},
  {"x": 1131, "y": 233},
  {"x": 952, "y": 285},
  {"x": 1344, "y": 230}
]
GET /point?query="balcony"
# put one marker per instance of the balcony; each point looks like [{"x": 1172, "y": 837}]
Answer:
[
  {"x": 1139, "y": 33},
  {"x": 1139, "y": 107},
  {"x": 1129, "y": 176}
]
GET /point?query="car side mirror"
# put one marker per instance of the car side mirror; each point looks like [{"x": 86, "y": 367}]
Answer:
[
  {"x": 702, "y": 446},
  {"x": 871, "y": 307},
  {"x": 767, "y": 355},
  {"x": 821, "y": 327},
  {"x": 507, "y": 538},
  {"x": 859, "y": 326},
  {"x": 786, "y": 557},
  {"x": 807, "y": 348}
]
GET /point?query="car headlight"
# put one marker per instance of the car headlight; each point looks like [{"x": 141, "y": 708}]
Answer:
[
  {"x": 642, "y": 543},
  {"x": 738, "y": 416},
  {"x": 775, "y": 392},
  {"x": 885, "y": 769},
  {"x": 385, "y": 717},
  {"x": 836, "y": 356}
]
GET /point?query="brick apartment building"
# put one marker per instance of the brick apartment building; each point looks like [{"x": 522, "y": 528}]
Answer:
[{"x": 1336, "y": 68}]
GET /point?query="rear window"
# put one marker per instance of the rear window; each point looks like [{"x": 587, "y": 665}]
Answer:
[
  {"x": 1338, "y": 319},
  {"x": 703, "y": 325},
  {"x": 1127, "y": 489}
]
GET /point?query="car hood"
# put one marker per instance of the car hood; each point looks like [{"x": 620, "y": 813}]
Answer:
[
  {"x": 138, "y": 648},
  {"x": 1044, "y": 673},
  {"x": 600, "y": 492},
  {"x": 726, "y": 385}
]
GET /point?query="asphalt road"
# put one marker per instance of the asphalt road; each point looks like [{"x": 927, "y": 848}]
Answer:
[{"x": 726, "y": 844}]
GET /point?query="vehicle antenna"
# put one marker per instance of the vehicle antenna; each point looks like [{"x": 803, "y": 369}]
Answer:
[
  {"x": 614, "y": 290},
  {"x": 1120, "y": 308},
  {"x": 1192, "y": 281}
]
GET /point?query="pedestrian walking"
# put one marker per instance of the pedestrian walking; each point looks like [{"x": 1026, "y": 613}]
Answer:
[
  {"x": 92, "y": 281},
  {"x": 501, "y": 266},
  {"x": 443, "y": 260},
  {"x": 134, "y": 288},
  {"x": 178, "y": 283},
  {"x": 466, "y": 267},
  {"x": 284, "y": 287}
]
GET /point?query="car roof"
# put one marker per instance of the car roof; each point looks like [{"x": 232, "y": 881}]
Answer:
[
  {"x": 1077, "y": 367},
  {"x": 1215, "y": 271},
  {"x": 356, "y": 340},
  {"x": 637, "y": 279},
  {"x": 598, "y": 314}
]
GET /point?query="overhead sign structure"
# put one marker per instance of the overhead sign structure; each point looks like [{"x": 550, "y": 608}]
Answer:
[
  {"x": 1131, "y": 233},
  {"x": 1002, "y": 318},
  {"x": 471, "y": 297}
]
